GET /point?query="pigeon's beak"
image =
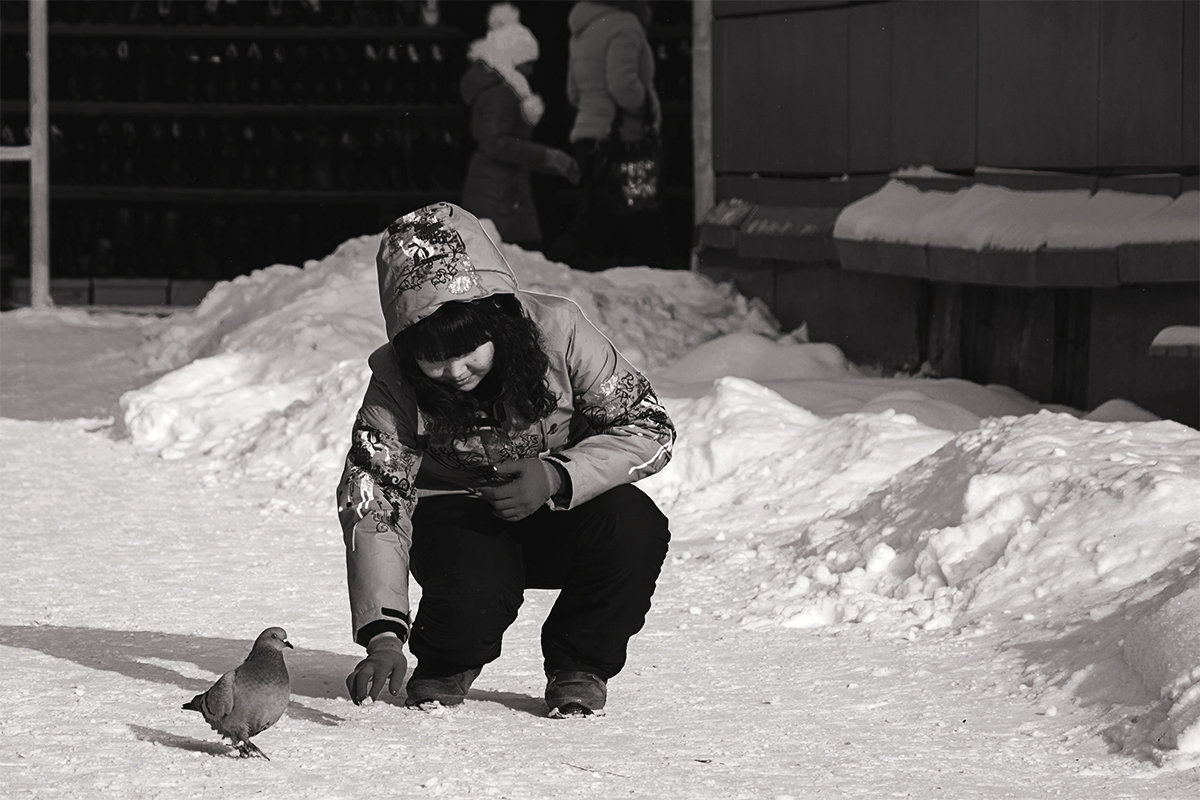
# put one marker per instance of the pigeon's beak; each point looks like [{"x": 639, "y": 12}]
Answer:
[{"x": 286, "y": 643}]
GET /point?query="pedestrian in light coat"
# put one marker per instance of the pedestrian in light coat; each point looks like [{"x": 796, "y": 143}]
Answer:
[{"x": 610, "y": 73}]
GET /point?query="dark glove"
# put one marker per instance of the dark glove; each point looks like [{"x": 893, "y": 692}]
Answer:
[
  {"x": 531, "y": 482},
  {"x": 384, "y": 663},
  {"x": 562, "y": 165}
]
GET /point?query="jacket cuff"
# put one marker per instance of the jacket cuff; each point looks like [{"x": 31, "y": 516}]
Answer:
[
  {"x": 364, "y": 634},
  {"x": 560, "y": 500}
]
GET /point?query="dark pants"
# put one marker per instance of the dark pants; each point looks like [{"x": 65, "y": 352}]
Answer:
[
  {"x": 474, "y": 567},
  {"x": 597, "y": 238}
]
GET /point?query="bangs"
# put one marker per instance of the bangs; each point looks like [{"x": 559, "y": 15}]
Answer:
[{"x": 453, "y": 330}]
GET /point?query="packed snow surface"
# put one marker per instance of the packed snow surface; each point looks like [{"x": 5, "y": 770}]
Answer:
[{"x": 843, "y": 542}]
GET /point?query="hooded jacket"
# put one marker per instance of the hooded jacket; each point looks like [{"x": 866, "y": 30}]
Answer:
[
  {"x": 608, "y": 427},
  {"x": 611, "y": 65},
  {"x": 497, "y": 185}
]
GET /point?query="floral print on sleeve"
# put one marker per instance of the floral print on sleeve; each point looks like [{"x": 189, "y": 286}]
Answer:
[
  {"x": 379, "y": 482},
  {"x": 625, "y": 404},
  {"x": 626, "y": 398}
]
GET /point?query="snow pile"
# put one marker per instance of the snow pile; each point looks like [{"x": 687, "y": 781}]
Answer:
[
  {"x": 654, "y": 316},
  {"x": 267, "y": 372},
  {"x": 1041, "y": 515},
  {"x": 984, "y": 217},
  {"x": 744, "y": 449},
  {"x": 747, "y": 355},
  {"x": 1161, "y": 645},
  {"x": 1034, "y": 524},
  {"x": 817, "y": 376}
]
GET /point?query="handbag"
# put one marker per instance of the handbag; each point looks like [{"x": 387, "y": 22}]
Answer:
[{"x": 629, "y": 171}]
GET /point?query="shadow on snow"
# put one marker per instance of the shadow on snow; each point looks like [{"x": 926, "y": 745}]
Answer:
[{"x": 315, "y": 673}]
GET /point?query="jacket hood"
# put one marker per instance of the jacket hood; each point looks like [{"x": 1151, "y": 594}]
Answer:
[
  {"x": 483, "y": 75},
  {"x": 585, "y": 13},
  {"x": 434, "y": 255},
  {"x": 476, "y": 79}
]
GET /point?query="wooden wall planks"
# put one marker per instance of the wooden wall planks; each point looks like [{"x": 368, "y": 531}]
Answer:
[
  {"x": 780, "y": 93},
  {"x": 1038, "y": 78},
  {"x": 934, "y": 84},
  {"x": 1191, "y": 85},
  {"x": 870, "y": 88},
  {"x": 1141, "y": 80},
  {"x": 818, "y": 89}
]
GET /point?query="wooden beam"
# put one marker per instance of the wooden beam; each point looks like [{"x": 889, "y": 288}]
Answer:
[
  {"x": 39, "y": 161},
  {"x": 704, "y": 180},
  {"x": 16, "y": 153}
]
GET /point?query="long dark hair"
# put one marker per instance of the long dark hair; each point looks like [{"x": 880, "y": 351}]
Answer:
[{"x": 518, "y": 375}]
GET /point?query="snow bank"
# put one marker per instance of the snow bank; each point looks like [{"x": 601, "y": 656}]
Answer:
[
  {"x": 266, "y": 373},
  {"x": 1161, "y": 646},
  {"x": 653, "y": 315},
  {"x": 743, "y": 448},
  {"x": 1037, "y": 525},
  {"x": 1043, "y": 514}
]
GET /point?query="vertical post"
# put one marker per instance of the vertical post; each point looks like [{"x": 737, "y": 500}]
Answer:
[
  {"x": 39, "y": 161},
  {"x": 703, "y": 180}
]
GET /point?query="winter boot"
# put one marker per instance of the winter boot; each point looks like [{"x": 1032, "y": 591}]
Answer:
[
  {"x": 428, "y": 691},
  {"x": 570, "y": 693}
]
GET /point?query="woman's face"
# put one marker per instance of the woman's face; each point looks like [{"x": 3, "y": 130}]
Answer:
[{"x": 464, "y": 372}]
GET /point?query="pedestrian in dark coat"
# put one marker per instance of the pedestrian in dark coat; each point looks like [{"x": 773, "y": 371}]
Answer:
[{"x": 504, "y": 112}]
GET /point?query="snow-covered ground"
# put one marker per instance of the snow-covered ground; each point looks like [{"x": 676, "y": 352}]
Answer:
[{"x": 879, "y": 586}]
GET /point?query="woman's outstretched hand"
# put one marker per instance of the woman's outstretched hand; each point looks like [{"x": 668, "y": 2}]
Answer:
[
  {"x": 384, "y": 664},
  {"x": 529, "y": 483}
]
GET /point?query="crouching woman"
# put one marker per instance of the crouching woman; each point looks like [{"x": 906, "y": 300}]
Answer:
[{"x": 495, "y": 451}]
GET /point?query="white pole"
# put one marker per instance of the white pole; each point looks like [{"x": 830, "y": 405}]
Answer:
[{"x": 39, "y": 162}]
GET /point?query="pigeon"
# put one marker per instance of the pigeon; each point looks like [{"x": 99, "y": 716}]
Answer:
[{"x": 248, "y": 700}]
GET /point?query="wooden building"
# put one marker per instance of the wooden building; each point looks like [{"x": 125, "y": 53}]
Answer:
[{"x": 815, "y": 104}]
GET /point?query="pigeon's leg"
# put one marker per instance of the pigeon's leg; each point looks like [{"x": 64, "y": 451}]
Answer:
[{"x": 250, "y": 750}]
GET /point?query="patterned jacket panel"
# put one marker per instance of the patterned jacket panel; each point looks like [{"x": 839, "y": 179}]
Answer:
[
  {"x": 617, "y": 431},
  {"x": 376, "y": 497}
]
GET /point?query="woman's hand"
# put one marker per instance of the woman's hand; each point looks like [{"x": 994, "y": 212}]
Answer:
[
  {"x": 529, "y": 483},
  {"x": 384, "y": 664}
]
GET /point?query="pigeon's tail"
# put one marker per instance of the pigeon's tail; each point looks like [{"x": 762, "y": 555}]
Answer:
[{"x": 195, "y": 704}]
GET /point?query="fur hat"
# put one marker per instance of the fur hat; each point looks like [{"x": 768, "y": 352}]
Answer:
[
  {"x": 508, "y": 44},
  {"x": 510, "y": 36}
]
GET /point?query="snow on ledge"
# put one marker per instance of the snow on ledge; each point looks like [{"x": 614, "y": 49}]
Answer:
[
  {"x": 1178, "y": 335},
  {"x": 985, "y": 217}
]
